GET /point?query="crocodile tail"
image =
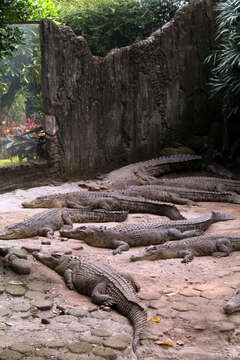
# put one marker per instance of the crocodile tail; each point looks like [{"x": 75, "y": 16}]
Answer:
[{"x": 138, "y": 317}]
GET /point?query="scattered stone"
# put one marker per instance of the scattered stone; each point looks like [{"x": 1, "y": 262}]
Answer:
[
  {"x": 91, "y": 339},
  {"x": 181, "y": 307},
  {"x": 15, "y": 289},
  {"x": 149, "y": 296},
  {"x": 105, "y": 353},
  {"x": 81, "y": 347},
  {"x": 10, "y": 355},
  {"x": 190, "y": 353},
  {"x": 20, "y": 266},
  {"x": 22, "y": 348},
  {"x": 56, "y": 344},
  {"x": 19, "y": 252},
  {"x": 201, "y": 325},
  {"x": 115, "y": 343},
  {"x": 225, "y": 326},
  {"x": 188, "y": 292},
  {"x": 45, "y": 321},
  {"x": 32, "y": 248},
  {"x": 46, "y": 242},
  {"x": 78, "y": 312},
  {"x": 43, "y": 304},
  {"x": 100, "y": 332}
]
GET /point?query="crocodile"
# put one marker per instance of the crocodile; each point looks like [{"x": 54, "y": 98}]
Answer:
[
  {"x": 200, "y": 183},
  {"x": 105, "y": 200},
  {"x": 44, "y": 223},
  {"x": 141, "y": 234},
  {"x": 103, "y": 284},
  {"x": 233, "y": 304},
  {"x": 139, "y": 173},
  {"x": 205, "y": 245},
  {"x": 178, "y": 195}
]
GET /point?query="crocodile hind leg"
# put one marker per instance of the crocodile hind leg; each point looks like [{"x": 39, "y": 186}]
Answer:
[
  {"x": 224, "y": 248},
  {"x": 187, "y": 256},
  {"x": 99, "y": 296},
  {"x": 175, "y": 234}
]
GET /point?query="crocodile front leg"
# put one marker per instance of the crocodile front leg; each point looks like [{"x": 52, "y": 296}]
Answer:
[
  {"x": 99, "y": 296},
  {"x": 119, "y": 246},
  {"x": 224, "y": 248},
  {"x": 187, "y": 256},
  {"x": 66, "y": 219},
  {"x": 47, "y": 232},
  {"x": 68, "y": 277}
]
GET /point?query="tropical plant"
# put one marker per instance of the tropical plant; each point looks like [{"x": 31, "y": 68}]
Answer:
[
  {"x": 107, "y": 24},
  {"x": 225, "y": 74}
]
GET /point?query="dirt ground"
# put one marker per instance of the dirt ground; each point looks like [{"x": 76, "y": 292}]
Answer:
[{"x": 185, "y": 299}]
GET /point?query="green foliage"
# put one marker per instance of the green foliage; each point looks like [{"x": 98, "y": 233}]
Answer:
[
  {"x": 107, "y": 24},
  {"x": 225, "y": 79},
  {"x": 12, "y": 11}
]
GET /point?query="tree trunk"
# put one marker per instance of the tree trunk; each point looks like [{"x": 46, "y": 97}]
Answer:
[{"x": 8, "y": 98}]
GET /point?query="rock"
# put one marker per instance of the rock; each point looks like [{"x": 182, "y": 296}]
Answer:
[
  {"x": 22, "y": 348},
  {"x": 43, "y": 304},
  {"x": 10, "y": 355},
  {"x": 20, "y": 266},
  {"x": 46, "y": 242},
  {"x": 81, "y": 347},
  {"x": 15, "y": 289},
  {"x": 190, "y": 353},
  {"x": 115, "y": 343},
  {"x": 225, "y": 326},
  {"x": 91, "y": 339},
  {"x": 19, "y": 252},
  {"x": 78, "y": 312},
  {"x": 45, "y": 321},
  {"x": 106, "y": 353},
  {"x": 100, "y": 332}
]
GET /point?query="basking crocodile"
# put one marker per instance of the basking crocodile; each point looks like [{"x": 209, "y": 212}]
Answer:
[
  {"x": 211, "y": 245},
  {"x": 105, "y": 200},
  {"x": 139, "y": 173},
  {"x": 201, "y": 183},
  {"x": 233, "y": 304},
  {"x": 123, "y": 236},
  {"x": 103, "y": 284},
  {"x": 180, "y": 195},
  {"x": 44, "y": 223}
]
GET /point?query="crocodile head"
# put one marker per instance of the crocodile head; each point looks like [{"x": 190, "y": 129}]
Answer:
[
  {"x": 85, "y": 232},
  {"x": 51, "y": 260},
  {"x": 153, "y": 253},
  {"x": 233, "y": 304},
  {"x": 45, "y": 202},
  {"x": 219, "y": 216}
]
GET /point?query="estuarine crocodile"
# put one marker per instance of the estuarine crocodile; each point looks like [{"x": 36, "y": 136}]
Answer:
[
  {"x": 125, "y": 235},
  {"x": 105, "y": 200},
  {"x": 140, "y": 173},
  {"x": 233, "y": 304},
  {"x": 103, "y": 284},
  {"x": 180, "y": 195},
  {"x": 211, "y": 245},
  {"x": 44, "y": 223},
  {"x": 200, "y": 183}
]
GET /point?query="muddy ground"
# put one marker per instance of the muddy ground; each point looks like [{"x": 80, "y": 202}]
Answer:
[{"x": 48, "y": 321}]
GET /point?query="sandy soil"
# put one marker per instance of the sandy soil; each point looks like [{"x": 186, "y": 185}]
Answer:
[{"x": 187, "y": 298}]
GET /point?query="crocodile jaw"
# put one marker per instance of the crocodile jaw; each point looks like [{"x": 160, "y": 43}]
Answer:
[{"x": 50, "y": 260}]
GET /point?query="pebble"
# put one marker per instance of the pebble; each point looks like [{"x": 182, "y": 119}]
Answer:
[
  {"x": 43, "y": 304},
  {"x": 100, "y": 332},
  {"x": 46, "y": 242},
  {"x": 115, "y": 343},
  {"x": 81, "y": 347},
  {"x": 10, "y": 355},
  {"x": 105, "y": 353},
  {"x": 45, "y": 321},
  {"x": 20, "y": 266},
  {"x": 15, "y": 289}
]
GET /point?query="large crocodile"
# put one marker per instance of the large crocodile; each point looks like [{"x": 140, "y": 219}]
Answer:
[
  {"x": 44, "y": 223},
  {"x": 103, "y": 284},
  {"x": 211, "y": 245},
  {"x": 125, "y": 235},
  {"x": 233, "y": 304},
  {"x": 139, "y": 173},
  {"x": 105, "y": 200},
  {"x": 201, "y": 183},
  {"x": 180, "y": 195}
]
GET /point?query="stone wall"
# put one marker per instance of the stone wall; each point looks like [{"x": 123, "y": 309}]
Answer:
[{"x": 125, "y": 107}]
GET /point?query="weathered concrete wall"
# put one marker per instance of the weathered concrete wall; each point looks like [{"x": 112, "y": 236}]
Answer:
[{"x": 126, "y": 106}]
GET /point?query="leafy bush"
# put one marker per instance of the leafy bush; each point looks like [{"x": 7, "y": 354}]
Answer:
[{"x": 107, "y": 24}]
